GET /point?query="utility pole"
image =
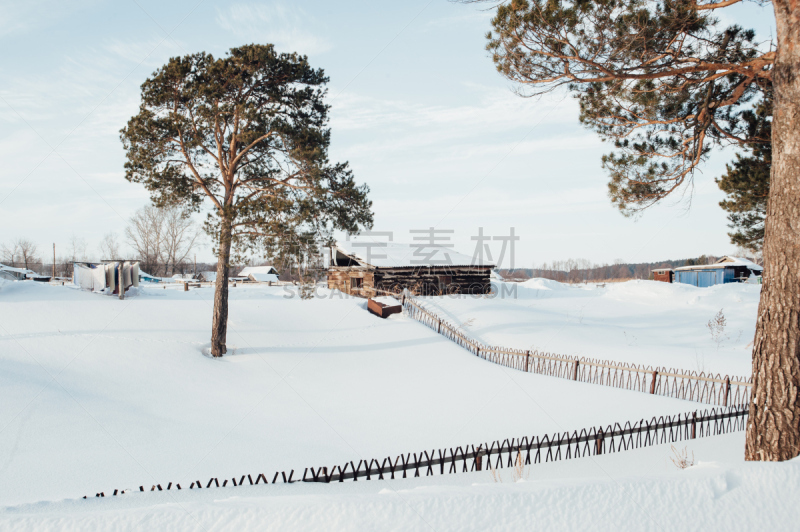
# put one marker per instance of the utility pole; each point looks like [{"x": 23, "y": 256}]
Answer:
[
  {"x": 195, "y": 264},
  {"x": 54, "y": 260}
]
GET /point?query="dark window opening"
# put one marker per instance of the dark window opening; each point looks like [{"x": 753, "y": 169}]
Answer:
[
  {"x": 356, "y": 282},
  {"x": 445, "y": 280}
]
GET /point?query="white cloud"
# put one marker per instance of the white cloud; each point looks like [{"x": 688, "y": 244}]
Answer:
[
  {"x": 19, "y": 17},
  {"x": 498, "y": 107},
  {"x": 290, "y": 29},
  {"x": 488, "y": 128}
]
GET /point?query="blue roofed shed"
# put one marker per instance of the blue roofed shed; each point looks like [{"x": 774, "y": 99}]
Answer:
[{"x": 725, "y": 270}]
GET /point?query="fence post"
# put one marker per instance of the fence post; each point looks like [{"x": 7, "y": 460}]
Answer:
[
  {"x": 439, "y": 329},
  {"x": 185, "y": 286},
  {"x": 575, "y": 371},
  {"x": 653, "y": 383},
  {"x": 726, "y": 391},
  {"x": 694, "y": 424},
  {"x": 478, "y": 460},
  {"x": 599, "y": 442},
  {"x": 527, "y": 358}
]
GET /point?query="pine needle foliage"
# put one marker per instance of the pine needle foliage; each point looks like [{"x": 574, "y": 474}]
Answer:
[
  {"x": 662, "y": 80},
  {"x": 248, "y": 134},
  {"x": 746, "y": 182}
]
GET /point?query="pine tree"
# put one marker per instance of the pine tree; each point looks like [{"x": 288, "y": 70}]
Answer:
[
  {"x": 666, "y": 83},
  {"x": 247, "y": 135}
]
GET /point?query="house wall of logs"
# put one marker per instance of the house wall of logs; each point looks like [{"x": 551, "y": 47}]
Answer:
[
  {"x": 341, "y": 278},
  {"x": 420, "y": 280}
]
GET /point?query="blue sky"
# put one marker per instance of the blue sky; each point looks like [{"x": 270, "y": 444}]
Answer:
[{"x": 417, "y": 109}]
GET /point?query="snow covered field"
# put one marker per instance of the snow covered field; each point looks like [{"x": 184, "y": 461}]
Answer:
[
  {"x": 100, "y": 394},
  {"x": 637, "y": 491},
  {"x": 642, "y": 322}
]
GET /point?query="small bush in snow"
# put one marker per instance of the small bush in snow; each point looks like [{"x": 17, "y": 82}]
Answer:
[
  {"x": 306, "y": 290},
  {"x": 681, "y": 458},
  {"x": 520, "y": 471},
  {"x": 716, "y": 326}
]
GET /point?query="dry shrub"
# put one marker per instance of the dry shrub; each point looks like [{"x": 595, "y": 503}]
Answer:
[
  {"x": 716, "y": 327},
  {"x": 495, "y": 475},
  {"x": 520, "y": 471},
  {"x": 681, "y": 457}
]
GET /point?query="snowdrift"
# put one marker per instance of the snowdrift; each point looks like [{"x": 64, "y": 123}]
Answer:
[
  {"x": 102, "y": 394},
  {"x": 639, "y": 322}
]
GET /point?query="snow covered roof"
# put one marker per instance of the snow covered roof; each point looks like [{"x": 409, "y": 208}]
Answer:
[
  {"x": 263, "y": 277},
  {"x": 724, "y": 262},
  {"x": 399, "y": 255},
  {"x": 16, "y": 270},
  {"x": 208, "y": 276},
  {"x": 258, "y": 269},
  {"x": 8, "y": 276},
  {"x": 19, "y": 274},
  {"x": 736, "y": 261}
]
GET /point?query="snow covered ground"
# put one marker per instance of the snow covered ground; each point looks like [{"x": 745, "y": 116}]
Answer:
[
  {"x": 635, "y": 491},
  {"x": 100, "y": 394},
  {"x": 642, "y": 322}
]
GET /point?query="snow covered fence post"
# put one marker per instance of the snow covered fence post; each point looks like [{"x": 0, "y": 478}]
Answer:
[
  {"x": 599, "y": 441},
  {"x": 726, "y": 391},
  {"x": 575, "y": 371},
  {"x": 653, "y": 383},
  {"x": 478, "y": 456}
]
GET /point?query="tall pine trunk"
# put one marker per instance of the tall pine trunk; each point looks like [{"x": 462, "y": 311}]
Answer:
[
  {"x": 773, "y": 427},
  {"x": 219, "y": 325}
]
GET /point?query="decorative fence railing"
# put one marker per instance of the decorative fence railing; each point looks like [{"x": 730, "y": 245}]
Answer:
[
  {"x": 508, "y": 453},
  {"x": 681, "y": 384}
]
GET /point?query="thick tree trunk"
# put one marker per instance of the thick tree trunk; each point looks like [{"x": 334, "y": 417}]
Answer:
[
  {"x": 773, "y": 428},
  {"x": 219, "y": 325}
]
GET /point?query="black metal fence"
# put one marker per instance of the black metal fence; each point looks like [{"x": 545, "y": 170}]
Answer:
[{"x": 508, "y": 453}]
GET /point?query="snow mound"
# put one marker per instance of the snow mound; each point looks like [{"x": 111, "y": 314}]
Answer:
[
  {"x": 539, "y": 288},
  {"x": 538, "y": 283},
  {"x": 99, "y": 394}
]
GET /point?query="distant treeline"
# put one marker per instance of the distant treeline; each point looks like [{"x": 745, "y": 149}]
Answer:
[{"x": 582, "y": 270}]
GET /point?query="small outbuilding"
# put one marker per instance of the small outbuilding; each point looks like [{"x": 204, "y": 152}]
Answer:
[
  {"x": 145, "y": 277},
  {"x": 261, "y": 274},
  {"x": 663, "y": 274},
  {"x": 725, "y": 270},
  {"x": 207, "y": 277},
  {"x": 10, "y": 273},
  {"x": 369, "y": 269}
]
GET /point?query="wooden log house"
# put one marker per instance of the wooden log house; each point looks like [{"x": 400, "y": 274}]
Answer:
[{"x": 391, "y": 267}]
